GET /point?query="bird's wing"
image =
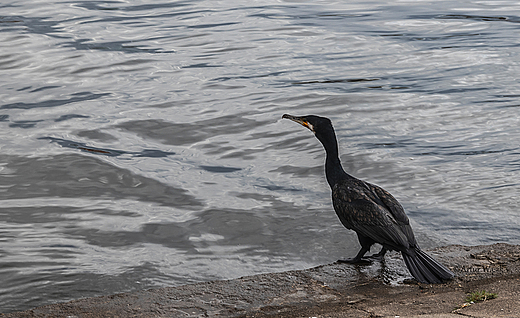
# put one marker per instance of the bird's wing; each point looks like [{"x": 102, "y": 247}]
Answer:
[
  {"x": 393, "y": 206},
  {"x": 361, "y": 210},
  {"x": 396, "y": 209}
]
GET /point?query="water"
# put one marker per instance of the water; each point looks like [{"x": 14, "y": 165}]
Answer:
[{"x": 142, "y": 143}]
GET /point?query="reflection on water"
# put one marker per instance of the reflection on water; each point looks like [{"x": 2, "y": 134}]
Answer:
[
  {"x": 142, "y": 143},
  {"x": 179, "y": 134},
  {"x": 105, "y": 151}
]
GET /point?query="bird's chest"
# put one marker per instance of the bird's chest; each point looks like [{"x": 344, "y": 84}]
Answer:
[{"x": 347, "y": 218}]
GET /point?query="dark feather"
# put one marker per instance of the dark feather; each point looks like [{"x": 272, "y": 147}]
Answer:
[{"x": 375, "y": 215}]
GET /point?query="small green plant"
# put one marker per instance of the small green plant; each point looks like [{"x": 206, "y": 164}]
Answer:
[
  {"x": 480, "y": 296},
  {"x": 476, "y": 297}
]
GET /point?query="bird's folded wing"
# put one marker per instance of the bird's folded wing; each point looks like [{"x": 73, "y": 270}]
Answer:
[
  {"x": 358, "y": 211},
  {"x": 393, "y": 206}
]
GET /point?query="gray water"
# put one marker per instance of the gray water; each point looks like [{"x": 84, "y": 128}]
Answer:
[{"x": 142, "y": 143}]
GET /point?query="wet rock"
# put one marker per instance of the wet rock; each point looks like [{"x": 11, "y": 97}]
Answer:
[{"x": 334, "y": 290}]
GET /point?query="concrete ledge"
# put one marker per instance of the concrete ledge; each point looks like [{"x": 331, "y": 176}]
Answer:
[{"x": 334, "y": 290}]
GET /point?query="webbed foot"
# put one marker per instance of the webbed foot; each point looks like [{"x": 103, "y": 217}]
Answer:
[
  {"x": 375, "y": 257},
  {"x": 357, "y": 261}
]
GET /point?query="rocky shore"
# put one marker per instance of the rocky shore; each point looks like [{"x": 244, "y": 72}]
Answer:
[{"x": 381, "y": 289}]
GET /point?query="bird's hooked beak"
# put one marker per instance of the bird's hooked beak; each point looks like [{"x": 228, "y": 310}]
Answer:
[{"x": 300, "y": 120}]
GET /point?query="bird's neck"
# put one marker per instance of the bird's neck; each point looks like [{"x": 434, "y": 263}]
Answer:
[{"x": 333, "y": 169}]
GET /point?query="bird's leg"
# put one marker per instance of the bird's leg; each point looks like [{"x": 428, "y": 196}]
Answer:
[
  {"x": 359, "y": 257},
  {"x": 379, "y": 256},
  {"x": 366, "y": 243}
]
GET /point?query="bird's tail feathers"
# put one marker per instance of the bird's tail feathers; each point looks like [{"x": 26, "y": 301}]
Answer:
[{"x": 425, "y": 269}]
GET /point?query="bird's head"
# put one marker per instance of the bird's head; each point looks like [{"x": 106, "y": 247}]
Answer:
[
  {"x": 320, "y": 126},
  {"x": 323, "y": 130}
]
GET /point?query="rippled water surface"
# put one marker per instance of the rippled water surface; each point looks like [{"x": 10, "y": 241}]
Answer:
[{"x": 141, "y": 142}]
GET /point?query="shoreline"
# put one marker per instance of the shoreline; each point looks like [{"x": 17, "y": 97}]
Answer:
[{"x": 334, "y": 290}]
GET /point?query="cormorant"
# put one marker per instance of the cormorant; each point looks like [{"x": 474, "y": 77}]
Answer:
[{"x": 373, "y": 213}]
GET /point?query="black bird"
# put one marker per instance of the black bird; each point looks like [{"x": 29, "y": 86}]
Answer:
[{"x": 373, "y": 213}]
